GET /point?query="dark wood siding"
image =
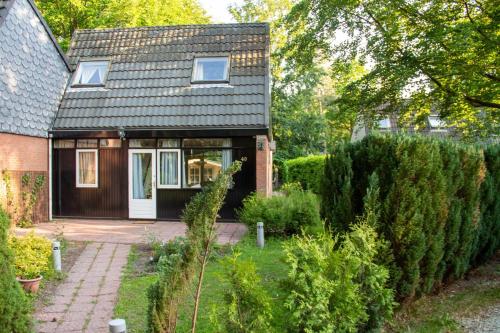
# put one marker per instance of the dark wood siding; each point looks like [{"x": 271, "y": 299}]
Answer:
[{"x": 109, "y": 199}]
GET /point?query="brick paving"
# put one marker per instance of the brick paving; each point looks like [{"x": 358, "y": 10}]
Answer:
[
  {"x": 126, "y": 231},
  {"x": 84, "y": 302}
]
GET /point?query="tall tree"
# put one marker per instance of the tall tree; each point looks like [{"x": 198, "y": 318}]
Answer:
[
  {"x": 65, "y": 16},
  {"x": 297, "y": 116},
  {"x": 424, "y": 56}
]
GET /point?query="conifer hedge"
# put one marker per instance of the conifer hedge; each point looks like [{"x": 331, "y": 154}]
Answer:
[
  {"x": 439, "y": 205},
  {"x": 305, "y": 170}
]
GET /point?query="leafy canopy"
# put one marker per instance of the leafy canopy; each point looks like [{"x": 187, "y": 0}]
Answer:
[
  {"x": 423, "y": 55},
  {"x": 65, "y": 16}
]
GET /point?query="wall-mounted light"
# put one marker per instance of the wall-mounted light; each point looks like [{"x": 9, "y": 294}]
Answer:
[
  {"x": 260, "y": 144},
  {"x": 121, "y": 133}
]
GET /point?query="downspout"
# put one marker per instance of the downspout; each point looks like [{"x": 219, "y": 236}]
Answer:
[{"x": 50, "y": 177}]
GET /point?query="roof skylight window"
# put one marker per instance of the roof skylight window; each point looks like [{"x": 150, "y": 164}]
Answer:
[
  {"x": 211, "y": 69},
  {"x": 91, "y": 73}
]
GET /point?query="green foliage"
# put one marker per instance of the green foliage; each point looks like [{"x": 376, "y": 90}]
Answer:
[
  {"x": 64, "y": 17},
  {"x": 423, "y": 197},
  {"x": 15, "y": 310},
  {"x": 307, "y": 171},
  {"x": 424, "y": 55},
  {"x": 337, "y": 286},
  {"x": 247, "y": 307},
  {"x": 285, "y": 215},
  {"x": 336, "y": 191},
  {"x": 29, "y": 195},
  {"x": 488, "y": 239},
  {"x": 33, "y": 255},
  {"x": 182, "y": 260},
  {"x": 175, "y": 268}
]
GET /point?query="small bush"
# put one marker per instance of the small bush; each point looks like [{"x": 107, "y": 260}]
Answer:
[
  {"x": 33, "y": 255},
  {"x": 14, "y": 307},
  {"x": 308, "y": 171},
  {"x": 282, "y": 215},
  {"x": 247, "y": 307},
  {"x": 337, "y": 286}
]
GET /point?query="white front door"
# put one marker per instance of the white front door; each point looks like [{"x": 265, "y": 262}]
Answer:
[{"x": 142, "y": 184}]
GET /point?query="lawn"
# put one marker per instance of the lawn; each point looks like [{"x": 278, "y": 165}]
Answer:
[
  {"x": 132, "y": 297},
  {"x": 435, "y": 313}
]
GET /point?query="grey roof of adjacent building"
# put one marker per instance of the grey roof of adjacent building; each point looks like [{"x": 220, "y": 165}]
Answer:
[
  {"x": 5, "y": 6},
  {"x": 149, "y": 81},
  {"x": 33, "y": 72}
]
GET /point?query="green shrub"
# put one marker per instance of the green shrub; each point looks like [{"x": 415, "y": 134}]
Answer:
[
  {"x": 15, "y": 309},
  {"x": 33, "y": 255},
  {"x": 337, "y": 286},
  {"x": 488, "y": 239},
  {"x": 282, "y": 215},
  {"x": 429, "y": 193},
  {"x": 247, "y": 307},
  {"x": 307, "y": 171}
]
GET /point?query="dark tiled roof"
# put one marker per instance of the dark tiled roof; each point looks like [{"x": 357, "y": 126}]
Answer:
[{"x": 149, "y": 83}]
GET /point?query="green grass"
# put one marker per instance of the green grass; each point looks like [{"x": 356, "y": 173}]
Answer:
[
  {"x": 132, "y": 297},
  {"x": 132, "y": 300}
]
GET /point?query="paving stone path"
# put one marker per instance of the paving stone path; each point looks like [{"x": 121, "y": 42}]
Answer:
[{"x": 84, "y": 302}]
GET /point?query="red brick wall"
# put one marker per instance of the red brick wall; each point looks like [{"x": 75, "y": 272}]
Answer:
[
  {"x": 263, "y": 165},
  {"x": 20, "y": 154}
]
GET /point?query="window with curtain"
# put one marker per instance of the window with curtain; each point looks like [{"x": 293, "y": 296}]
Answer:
[
  {"x": 91, "y": 73},
  {"x": 203, "y": 165},
  {"x": 211, "y": 69},
  {"x": 86, "y": 167},
  {"x": 168, "y": 168}
]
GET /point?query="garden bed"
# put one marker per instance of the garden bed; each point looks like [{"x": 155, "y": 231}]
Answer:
[{"x": 132, "y": 298}]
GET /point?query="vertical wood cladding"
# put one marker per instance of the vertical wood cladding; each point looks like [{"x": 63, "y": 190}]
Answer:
[{"x": 110, "y": 199}]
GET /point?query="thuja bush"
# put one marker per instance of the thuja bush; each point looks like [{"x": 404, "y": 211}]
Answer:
[
  {"x": 292, "y": 213},
  {"x": 183, "y": 262},
  {"x": 247, "y": 306},
  {"x": 429, "y": 193},
  {"x": 335, "y": 285},
  {"x": 488, "y": 238},
  {"x": 14, "y": 306},
  {"x": 306, "y": 170}
]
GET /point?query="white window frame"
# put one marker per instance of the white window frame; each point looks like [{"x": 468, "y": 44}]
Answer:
[
  {"x": 78, "y": 184},
  {"x": 226, "y": 71},
  {"x": 158, "y": 168},
  {"x": 381, "y": 121},
  {"x": 78, "y": 72}
]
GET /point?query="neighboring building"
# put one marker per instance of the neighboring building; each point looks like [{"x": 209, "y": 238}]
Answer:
[
  {"x": 33, "y": 76},
  {"x": 434, "y": 126},
  {"x": 152, "y": 114}
]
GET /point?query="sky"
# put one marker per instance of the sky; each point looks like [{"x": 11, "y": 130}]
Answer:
[{"x": 217, "y": 9}]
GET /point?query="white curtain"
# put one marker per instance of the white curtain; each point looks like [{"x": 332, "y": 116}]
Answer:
[
  {"x": 137, "y": 181},
  {"x": 168, "y": 168},
  {"x": 87, "y": 172},
  {"x": 92, "y": 73},
  {"x": 227, "y": 157}
]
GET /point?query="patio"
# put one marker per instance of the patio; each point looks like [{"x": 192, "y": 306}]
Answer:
[{"x": 127, "y": 231}]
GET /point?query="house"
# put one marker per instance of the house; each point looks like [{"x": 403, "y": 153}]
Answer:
[
  {"x": 152, "y": 114},
  {"x": 434, "y": 126},
  {"x": 33, "y": 75}
]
